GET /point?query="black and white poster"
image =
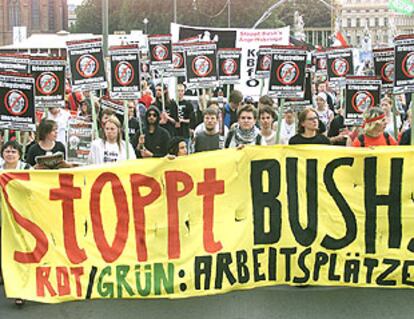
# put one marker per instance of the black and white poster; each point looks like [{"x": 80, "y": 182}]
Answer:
[
  {"x": 17, "y": 104},
  {"x": 228, "y": 65},
  {"x": 79, "y": 139},
  {"x": 86, "y": 64},
  {"x": 160, "y": 51},
  {"x": 117, "y": 106},
  {"x": 125, "y": 72},
  {"x": 201, "y": 60},
  {"x": 264, "y": 62},
  {"x": 404, "y": 64},
  {"x": 49, "y": 75},
  {"x": 384, "y": 66},
  {"x": 14, "y": 63},
  {"x": 361, "y": 93},
  {"x": 339, "y": 63},
  {"x": 287, "y": 72}
]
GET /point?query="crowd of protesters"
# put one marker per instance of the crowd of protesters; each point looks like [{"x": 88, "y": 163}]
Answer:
[{"x": 159, "y": 126}]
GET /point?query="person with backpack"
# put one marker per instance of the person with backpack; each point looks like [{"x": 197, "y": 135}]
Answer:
[
  {"x": 244, "y": 132},
  {"x": 375, "y": 122}
]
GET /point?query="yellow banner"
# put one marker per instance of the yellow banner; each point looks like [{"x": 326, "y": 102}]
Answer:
[{"x": 211, "y": 223}]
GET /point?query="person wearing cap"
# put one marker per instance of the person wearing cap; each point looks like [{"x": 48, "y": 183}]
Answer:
[
  {"x": 324, "y": 113},
  {"x": 374, "y": 125}
]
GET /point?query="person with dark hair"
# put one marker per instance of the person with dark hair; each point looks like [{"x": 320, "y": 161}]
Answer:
[
  {"x": 178, "y": 146},
  {"x": 155, "y": 140},
  {"x": 104, "y": 115},
  {"x": 169, "y": 116},
  {"x": 231, "y": 108},
  {"x": 185, "y": 114},
  {"x": 46, "y": 142},
  {"x": 208, "y": 138},
  {"x": 133, "y": 122},
  {"x": 111, "y": 147},
  {"x": 244, "y": 132},
  {"x": 266, "y": 118},
  {"x": 265, "y": 100},
  {"x": 308, "y": 129},
  {"x": 375, "y": 122},
  {"x": 11, "y": 153}
]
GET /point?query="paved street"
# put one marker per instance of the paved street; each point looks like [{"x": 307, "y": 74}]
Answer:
[{"x": 292, "y": 303}]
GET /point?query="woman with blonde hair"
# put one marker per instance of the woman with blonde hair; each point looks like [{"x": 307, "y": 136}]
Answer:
[
  {"x": 374, "y": 134},
  {"x": 110, "y": 148}
]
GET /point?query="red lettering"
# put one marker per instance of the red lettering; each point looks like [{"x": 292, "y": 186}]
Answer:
[
  {"x": 67, "y": 193},
  {"x": 139, "y": 203},
  {"x": 173, "y": 178},
  {"x": 42, "y": 244},
  {"x": 62, "y": 279},
  {"x": 209, "y": 188},
  {"x": 109, "y": 252},
  {"x": 77, "y": 273},
  {"x": 42, "y": 281}
]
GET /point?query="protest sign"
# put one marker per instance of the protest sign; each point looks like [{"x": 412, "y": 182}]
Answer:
[
  {"x": 125, "y": 69},
  {"x": 86, "y": 64},
  {"x": 49, "y": 74},
  {"x": 228, "y": 65},
  {"x": 287, "y": 72},
  {"x": 249, "y": 40},
  {"x": 17, "y": 109},
  {"x": 320, "y": 63},
  {"x": 340, "y": 63},
  {"x": 404, "y": 64},
  {"x": 79, "y": 139},
  {"x": 361, "y": 93},
  {"x": 384, "y": 66},
  {"x": 14, "y": 63},
  {"x": 178, "y": 61},
  {"x": 264, "y": 62},
  {"x": 231, "y": 220},
  {"x": 160, "y": 51},
  {"x": 200, "y": 63},
  {"x": 117, "y": 106}
]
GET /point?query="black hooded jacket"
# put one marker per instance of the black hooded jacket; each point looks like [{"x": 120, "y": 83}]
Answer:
[{"x": 156, "y": 142}]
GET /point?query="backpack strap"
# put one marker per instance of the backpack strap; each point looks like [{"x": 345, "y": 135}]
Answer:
[
  {"x": 258, "y": 139},
  {"x": 229, "y": 138},
  {"x": 387, "y": 138}
]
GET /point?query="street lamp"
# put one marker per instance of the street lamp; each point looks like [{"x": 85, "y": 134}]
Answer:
[
  {"x": 175, "y": 10},
  {"x": 145, "y": 21}
]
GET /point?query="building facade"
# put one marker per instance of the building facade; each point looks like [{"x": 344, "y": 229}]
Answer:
[
  {"x": 38, "y": 16},
  {"x": 381, "y": 22}
]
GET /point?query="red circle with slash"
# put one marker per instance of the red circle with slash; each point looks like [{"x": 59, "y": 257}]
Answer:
[
  {"x": 265, "y": 63},
  {"x": 408, "y": 65},
  {"x": 202, "y": 66},
  {"x": 362, "y": 100},
  {"x": 229, "y": 66},
  {"x": 160, "y": 52},
  {"x": 47, "y": 83},
  {"x": 16, "y": 102},
  {"x": 387, "y": 72},
  {"x": 87, "y": 66},
  {"x": 124, "y": 73},
  {"x": 287, "y": 73},
  {"x": 340, "y": 67}
]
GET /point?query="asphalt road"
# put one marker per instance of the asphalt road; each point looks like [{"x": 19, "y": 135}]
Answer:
[{"x": 275, "y": 302}]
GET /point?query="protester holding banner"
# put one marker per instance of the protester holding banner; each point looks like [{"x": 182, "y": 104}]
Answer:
[
  {"x": 375, "y": 122},
  {"x": 177, "y": 147},
  {"x": 308, "y": 129},
  {"x": 169, "y": 115},
  {"x": 231, "y": 108},
  {"x": 47, "y": 143},
  {"x": 244, "y": 132},
  {"x": 338, "y": 133},
  {"x": 110, "y": 148},
  {"x": 288, "y": 126},
  {"x": 155, "y": 140},
  {"x": 208, "y": 138},
  {"x": 266, "y": 118}
]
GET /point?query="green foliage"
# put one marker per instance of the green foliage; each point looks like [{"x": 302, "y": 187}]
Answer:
[{"x": 129, "y": 14}]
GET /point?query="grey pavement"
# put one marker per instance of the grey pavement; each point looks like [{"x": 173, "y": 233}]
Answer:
[{"x": 273, "y": 302}]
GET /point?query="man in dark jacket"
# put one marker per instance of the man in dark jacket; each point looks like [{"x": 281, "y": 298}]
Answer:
[{"x": 154, "y": 142}]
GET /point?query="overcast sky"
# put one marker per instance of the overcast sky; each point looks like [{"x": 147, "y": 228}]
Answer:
[{"x": 75, "y": 1}]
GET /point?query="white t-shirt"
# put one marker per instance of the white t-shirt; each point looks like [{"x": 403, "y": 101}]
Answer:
[
  {"x": 104, "y": 152},
  {"x": 62, "y": 119},
  {"x": 286, "y": 131}
]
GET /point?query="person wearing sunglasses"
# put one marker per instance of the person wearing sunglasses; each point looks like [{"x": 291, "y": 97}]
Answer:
[{"x": 308, "y": 129}]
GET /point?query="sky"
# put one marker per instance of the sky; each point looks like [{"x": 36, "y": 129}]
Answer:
[{"x": 75, "y": 1}]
